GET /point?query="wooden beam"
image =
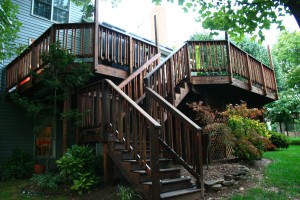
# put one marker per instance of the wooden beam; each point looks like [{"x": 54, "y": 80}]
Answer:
[
  {"x": 96, "y": 34},
  {"x": 202, "y": 80},
  {"x": 110, "y": 71}
]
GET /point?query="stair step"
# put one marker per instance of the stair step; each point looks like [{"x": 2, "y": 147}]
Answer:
[
  {"x": 173, "y": 184},
  {"x": 188, "y": 194},
  {"x": 127, "y": 155},
  {"x": 163, "y": 162},
  {"x": 121, "y": 146},
  {"x": 163, "y": 174}
]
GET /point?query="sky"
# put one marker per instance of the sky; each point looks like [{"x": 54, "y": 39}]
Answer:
[{"x": 134, "y": 16}]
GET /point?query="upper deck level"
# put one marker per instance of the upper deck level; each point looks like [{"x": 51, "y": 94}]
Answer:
[{"x": 113, "y": 52}]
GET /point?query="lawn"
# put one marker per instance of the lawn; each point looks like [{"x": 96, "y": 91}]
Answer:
[{"x": 281, "y": 177}]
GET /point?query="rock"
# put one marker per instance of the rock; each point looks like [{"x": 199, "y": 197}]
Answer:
[
  {"x": 228, "y": 177},
  {"x": 210, "y": 183},
  {"x": 241, "y": 189},
  {"x": 217, "y": 187},
  {"x": 241, "y": 177},
  {"x": 228, "y": 183}
]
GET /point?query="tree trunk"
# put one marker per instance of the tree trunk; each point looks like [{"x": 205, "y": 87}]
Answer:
[{"x": 294, "y": 6}]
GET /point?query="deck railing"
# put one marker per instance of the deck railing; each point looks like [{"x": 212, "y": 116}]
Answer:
[
  {"x": 165, "y": 76},
  {"x": 222, "y": 58},
  {"x": 109, "y": 107},
  {"x": 116, "y": 49}
]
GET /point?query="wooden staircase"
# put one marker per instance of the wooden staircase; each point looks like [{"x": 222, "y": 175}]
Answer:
[
  {"x": 173, "y": 184},
  {"x": 151, "y": 146}
]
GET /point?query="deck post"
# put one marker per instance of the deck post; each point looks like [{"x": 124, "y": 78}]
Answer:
[
  {"x": 200, "y": 181},
  {"x": 108, "y": 166},
  {"x": 271, "y": 66},
  {"x": 188, "y": 63},
  {"x": 131, "y": 59},
  {"x": 263, "y": 79},
  {"x": 65, "y": 126},
  {"x": 156, "y": 34},
  {"x": 228, "y": 58},
  {"x": 249, "y": 72},
  {"x": 96, "y": 34}
]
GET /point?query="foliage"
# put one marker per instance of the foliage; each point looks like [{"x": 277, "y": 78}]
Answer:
[
  {"x": 77, "y": 165},
  {"x": 204, "y": 114},
  {"x": 19, "y": 165},
  {"x": 286, "y": 108},
  {"x": 287, "y": 50},
  {"x": 279, "y": 140},
  {"x": 295, "y": 141},
  {"x": 254, "y": 49},
  {"x": 9, "y": 28},
  {"x": 201, "y": 36},
  {"x": 241, "y": 16},
  {"x": 56, "y": 83},
  {"x": 127, "y": 193},
  {"x": 47, "y": 181},
  {"x": 251, "y": 135}
]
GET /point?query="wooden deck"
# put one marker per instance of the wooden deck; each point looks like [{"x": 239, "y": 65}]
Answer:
[{"x": 117, "y": 54}]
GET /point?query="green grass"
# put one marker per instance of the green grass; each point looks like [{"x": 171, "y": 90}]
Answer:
[
  {"x": 283, "y": 174},
  {"x": 12, "y": 190},
  {"x": 295, "y": 141}
]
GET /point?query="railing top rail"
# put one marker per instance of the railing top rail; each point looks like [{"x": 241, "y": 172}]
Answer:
[
  {"x": 249, "y": 55},
  {"x": 210, "y": 41},
  {"x": 162, "y": 63},
  {"x": 139, "y": 70},
  {"x": 175, "y": 111},
  {"x": 71, "y": 25},
  {"x": 123, "y": 32},
  {"x": 137, "y": 107}
]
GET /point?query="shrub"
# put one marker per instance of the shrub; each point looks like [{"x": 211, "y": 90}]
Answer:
[
  {"x": 245, "y": 150},
  {"x": 77, "y": 165},
  {"x": 47, "y": 181},
  {"x": 20, "y": 165},
  {"x": 279, "y": 140},
  {"x": 127, "y": 193}
]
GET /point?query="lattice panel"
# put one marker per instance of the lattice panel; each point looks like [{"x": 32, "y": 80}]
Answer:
[{"x": 218, "y": 149}]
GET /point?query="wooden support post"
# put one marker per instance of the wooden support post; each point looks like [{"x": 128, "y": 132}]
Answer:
[
  {"x": 65, "y": 126},
  {"x": 154, "y": 162},
  {"x": 156, "y": 34},
  {"x": 249, "y": 73},
  {"x": 200, "y": 182},
  {"x": 188, "y": 63},
  {"x": 263, "y": 79},
  {"x": 131, "y": 58},
  {"x": 96, "y": 35},
  {"x": 172, "y": 82},
  {"x": 229, "y": 59},
  {"x": 108, "y": 166},
  {"x": 271, "y": 66},
  {"x": 105, "y": 118}
]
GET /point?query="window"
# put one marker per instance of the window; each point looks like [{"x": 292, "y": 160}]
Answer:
[
  {"x": 56, "y": 10},
  {"x": 43, "y": 142}
]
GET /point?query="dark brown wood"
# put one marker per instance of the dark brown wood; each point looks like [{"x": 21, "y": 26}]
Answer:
[
  {"x": 96, "y": 34},
  {"x": 249, "y": 73},
  {"x": 107, "y": 166}
]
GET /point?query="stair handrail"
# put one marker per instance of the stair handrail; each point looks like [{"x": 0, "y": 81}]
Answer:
[
  {"x": 136, "y": 79},
  {"x": 189, "y": 126},
  {"x": 136, "y": 114}
]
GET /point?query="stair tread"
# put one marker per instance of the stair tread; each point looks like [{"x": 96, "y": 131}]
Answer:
[
  {"x": 148, "y": 160},
  {"x": 161, "y": 170},
  {"x": 166, "y": 181},
  {"x": 179, "y": 192}
]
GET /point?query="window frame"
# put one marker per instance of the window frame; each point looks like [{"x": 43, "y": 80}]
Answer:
[{"x": 51, "y": 11}]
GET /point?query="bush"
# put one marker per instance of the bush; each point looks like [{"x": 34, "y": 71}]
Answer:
[
  {"x": 245, "y": 150},
  {"x": 47, "y": 181},
  {"x": 77, "y": 165},
  {"x": 20, "y": 165},
  {"x": 127, "y": 193},
  {"x": 279, "y": 140}
]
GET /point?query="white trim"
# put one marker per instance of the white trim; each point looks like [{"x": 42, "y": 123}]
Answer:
[{"x": 51, "y": 15}]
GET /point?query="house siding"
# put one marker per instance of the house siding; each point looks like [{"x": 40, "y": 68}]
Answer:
[
  {"x": 34, "y": 26},
  {"x": 15, "y": 127}
]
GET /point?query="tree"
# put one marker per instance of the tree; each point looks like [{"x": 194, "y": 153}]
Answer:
[
  {"x": 287, "y": 50},
  {"x": 201, "y": 36},
  {"x": 241, "y": 16},
  {"x": 9, "y": 27},
  {"x": 55, "y": 84}
]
